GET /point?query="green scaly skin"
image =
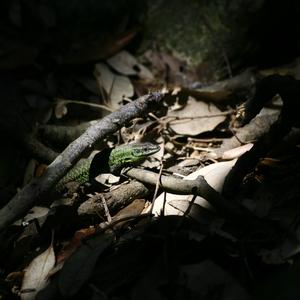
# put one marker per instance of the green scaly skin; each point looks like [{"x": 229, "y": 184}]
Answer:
[
  {"x": 120, "y": 157},
  {"x": 130, "y": 155},
  {"x": 80, "y": 174}
]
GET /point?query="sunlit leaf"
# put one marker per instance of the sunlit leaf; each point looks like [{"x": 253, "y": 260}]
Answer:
[{"x": 36, "y": 274}]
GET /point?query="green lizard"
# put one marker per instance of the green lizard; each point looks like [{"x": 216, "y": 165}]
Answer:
[{"x": 109, "y": 160}]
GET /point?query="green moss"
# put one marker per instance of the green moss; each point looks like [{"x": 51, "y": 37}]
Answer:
[{"x": 202, "y": 31}]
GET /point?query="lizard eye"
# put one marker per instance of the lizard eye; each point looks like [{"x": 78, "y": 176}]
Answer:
[{"x": 137, "y": 152}]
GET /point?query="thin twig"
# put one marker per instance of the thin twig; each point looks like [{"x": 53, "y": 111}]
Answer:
[
  {"x": 106, "y": 210},
  {"x": 224, "y": 113},
  {"x": 158, "y": 182},
  {"x": 198, "y": 187},
  {"x": 67, "y": 101},
  {"x": 105, "y": 226}
]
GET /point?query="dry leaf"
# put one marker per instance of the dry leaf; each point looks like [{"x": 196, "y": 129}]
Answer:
[
  {"x": 36, "y": 274},
  {"x": 40, "y": 170},
  {"x": 214, "y": 174},
  {"x": 79, "y": 267},
  {"x": 73, "y": 244},
  {"x": 115, "y": 86},
  {"x": 90, "y": 84},
  {"x": 99, "y": 48},
  {"x": 202, "y": 118},
  {"x": 29, "y": 172},
  {"x": 133, "y": 209},
  {"x": 36, "y": 212},
  {"x": 236, "y": 152},
  {"x": 126, "y": 64},
  {"x": 60, "y": 109},
  {"x": 201, "y": 279}
]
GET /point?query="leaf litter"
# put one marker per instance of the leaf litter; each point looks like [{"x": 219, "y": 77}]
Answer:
[{"x": 192, "y": 123}]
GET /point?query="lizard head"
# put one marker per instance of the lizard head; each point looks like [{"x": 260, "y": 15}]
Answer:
[
  {"x": 144, "y": 149},
  {"x": 131, "y": 154}
]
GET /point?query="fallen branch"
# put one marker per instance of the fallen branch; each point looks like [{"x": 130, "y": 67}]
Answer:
[
  {"x": 197, "y": 187},
  {"x": 115, "y": 199},
  {"x": 248, "y": 134},
  {"x": 231, "y": 211},
  {"x": 38, "y": 187},
  {"x": 37, "y": 149},
  {"x": 63, "y": 135},
  {"x": 289, "y": 90}
]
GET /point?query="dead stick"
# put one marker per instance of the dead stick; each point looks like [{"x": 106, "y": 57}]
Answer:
[{"x": 199, "y": 187}]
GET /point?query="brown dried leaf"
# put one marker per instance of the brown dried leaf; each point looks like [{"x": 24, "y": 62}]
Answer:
[
  {"x": 214, "y": 174},
  {"x": 236, "y": 152},
  {"x": 60, "y": 109},
  {"x": 37, "y": 212},
  {"x": 73, "y": 245},
  {"x": 36, "y": 274},
  {"x": 29, "y": 172},
  {"x": 202, "y": 118},
  {"x": 115, "y": 86},
  {"x": 79, "y": 267},
  {"x": 126, "y": 64}
]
